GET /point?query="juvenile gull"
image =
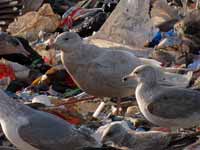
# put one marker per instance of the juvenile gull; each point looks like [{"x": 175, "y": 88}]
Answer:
[
  {"x": 29, "y": 129},
  {"x": 98, "y": 71},
  {"x": 163, "y": 105}
]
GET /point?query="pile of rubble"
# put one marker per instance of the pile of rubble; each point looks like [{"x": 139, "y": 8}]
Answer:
[{"x": 69, "y": 58}]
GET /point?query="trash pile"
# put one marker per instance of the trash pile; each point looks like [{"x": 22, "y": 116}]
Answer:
[{"x": 99, "y": 74}]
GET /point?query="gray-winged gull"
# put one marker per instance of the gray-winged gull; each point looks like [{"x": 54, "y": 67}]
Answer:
[
  {"x": 98, "y": 71},
  {"x": 163, "y": 105},
  {"x": 118, "y": 134},
  {"x": 29, "y": 129}
]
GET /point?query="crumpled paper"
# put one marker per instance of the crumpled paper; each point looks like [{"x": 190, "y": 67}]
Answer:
[{"x": 30, "y": 24}]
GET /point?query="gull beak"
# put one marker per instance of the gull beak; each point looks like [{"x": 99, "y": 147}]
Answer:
[{"x": 131, "y": 76}]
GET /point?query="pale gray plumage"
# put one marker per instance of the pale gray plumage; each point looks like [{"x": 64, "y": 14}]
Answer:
[
  {"x": 98, "y": 71},
  {"x": 29, "y": 129},
  {"x": 120, "y": 135},
  {"x": 184, "y": 103},
  {"x": 163, "y": 105}
]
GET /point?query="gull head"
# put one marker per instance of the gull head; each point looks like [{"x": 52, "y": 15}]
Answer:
[
  {"x": 66, "y": 40},
  {"x": 143, "y": 73}
]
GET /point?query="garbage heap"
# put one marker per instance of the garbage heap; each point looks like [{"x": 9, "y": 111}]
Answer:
[{"x": 165, "y": 33}]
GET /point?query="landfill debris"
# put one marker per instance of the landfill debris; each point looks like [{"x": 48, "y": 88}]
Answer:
[
  {"x": 31, "y": 5},
  {"x": 194, "y": 146},
  {"x": 5, "y": 82},
  {"x": 83, "y": 21},
  {"x": 57, "y": 78},
  {"x": 21, "y": 72},
  {"x": 119, "y": 134},
  {"x": 30, "y": 24},
  {"x": 43, "y": 46},
  {"x": 163, "y": 16},
  {"x": 87, "y": 16},
  {"x": 13, "y": 45},
  {"x": 138, "y": 29},
  {"x": 131, "y": 111},
  {"x": 60, "y": 6},
  {"x": 195, "y": 65},
  {"x": 71, "y": 60},
  {"x": 188, "y": 30},
  {"x": 9, "y": 10},
  {"x": 43, "y": 99},
  {"x": 18, "y": 50}
]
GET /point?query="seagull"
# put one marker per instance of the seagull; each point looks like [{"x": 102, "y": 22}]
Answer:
[
  {"x": 98, "y": 71},
  {"x": 163, "y": 105},
  {"x": 119, "y": 134},
  {"x": 29, "y": 129}
]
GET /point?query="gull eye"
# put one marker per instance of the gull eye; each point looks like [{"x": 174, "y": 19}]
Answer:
[{"x": 66, "y": 39}]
